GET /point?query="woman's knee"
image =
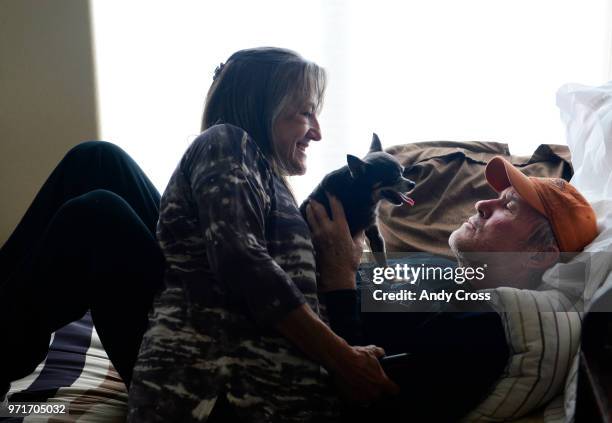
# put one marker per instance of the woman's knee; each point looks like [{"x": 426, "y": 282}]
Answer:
[
  {"x": 98, "y": 208},
  {"x": 110, "y": 217},
  {"x": 89, "y": 149}
]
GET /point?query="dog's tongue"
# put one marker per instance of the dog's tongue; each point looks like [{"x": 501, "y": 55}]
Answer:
[
  {"x": 406, "y": 199},
  {"x": 397, "y": 198}
]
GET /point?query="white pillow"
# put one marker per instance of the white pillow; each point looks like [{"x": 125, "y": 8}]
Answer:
[
  {"x": 542, "y": 346},
  {"x": 587, "y": 114}
]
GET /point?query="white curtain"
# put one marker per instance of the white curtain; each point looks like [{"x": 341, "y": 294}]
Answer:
[{"x": 410, "y": 71}]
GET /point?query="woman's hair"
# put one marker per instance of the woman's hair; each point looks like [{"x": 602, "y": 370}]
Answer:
[{"x": 254, "y": 86}]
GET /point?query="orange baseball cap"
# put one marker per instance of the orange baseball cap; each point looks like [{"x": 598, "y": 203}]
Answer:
[{"x": 571, "y": 216}]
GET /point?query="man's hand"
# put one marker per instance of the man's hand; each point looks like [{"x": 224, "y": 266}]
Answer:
[{"x": 338, "y": 254}]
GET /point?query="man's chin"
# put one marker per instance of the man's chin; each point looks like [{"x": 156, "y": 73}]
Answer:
[
  {"x": 462, "y": 246},
  {"x": 455, "y": 240}
]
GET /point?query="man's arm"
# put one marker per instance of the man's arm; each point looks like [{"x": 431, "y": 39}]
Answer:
[
  {"x": 344, "y": 315},
  {"x": 456, "y": 357}
]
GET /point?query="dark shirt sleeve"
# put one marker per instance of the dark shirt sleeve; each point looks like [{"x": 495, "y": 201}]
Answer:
[
  {"x": 343, "y": 315},
  {"x": 456, "y": 359},
  {"x": 230, "y": 185}
]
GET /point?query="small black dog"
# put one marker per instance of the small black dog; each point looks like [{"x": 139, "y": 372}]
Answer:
[{"x": 360, "y": 186}]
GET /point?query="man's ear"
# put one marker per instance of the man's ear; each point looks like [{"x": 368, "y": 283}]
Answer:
[
  {"x": 544, "y": 258},
  {"x": 355, "y": 165},
  {"x": 375, "y": 145}
]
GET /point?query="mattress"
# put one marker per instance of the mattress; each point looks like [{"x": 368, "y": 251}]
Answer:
[{"x": 77, "y": 373}]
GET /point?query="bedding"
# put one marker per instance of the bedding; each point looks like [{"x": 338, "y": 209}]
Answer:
[
  {"x": 587, "y": 114},
  {"x": 78, "y": 373},
  {"x": 543, "y": 344}
]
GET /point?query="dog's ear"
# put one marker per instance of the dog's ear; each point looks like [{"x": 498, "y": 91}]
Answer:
[
  {"x": 375, "y": 145},
  {"x": 355, "y": 165}
]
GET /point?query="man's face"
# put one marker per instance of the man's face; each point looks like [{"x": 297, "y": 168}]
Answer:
[{"x": 503, "y": 224}]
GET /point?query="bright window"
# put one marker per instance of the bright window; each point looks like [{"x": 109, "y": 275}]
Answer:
[{"x": 410, "y": 71}]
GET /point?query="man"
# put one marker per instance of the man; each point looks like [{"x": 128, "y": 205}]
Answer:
[
  {"x": 457, "y": 357},
  {"x": 546, "y": 216}
]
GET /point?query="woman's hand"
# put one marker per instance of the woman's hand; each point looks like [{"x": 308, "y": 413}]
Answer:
[
  {"x": 356, "y": 370},
  {"x": 338, "y": 254},
  {"x": 359, "y": 375}
]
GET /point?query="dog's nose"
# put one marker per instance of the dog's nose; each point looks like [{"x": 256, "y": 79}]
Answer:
[{"x": 411, "y": 184}]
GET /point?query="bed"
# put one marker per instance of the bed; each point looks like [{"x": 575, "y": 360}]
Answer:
[
  {"x": 450, "y": 179},
  {"x": 78, "y": 373}
]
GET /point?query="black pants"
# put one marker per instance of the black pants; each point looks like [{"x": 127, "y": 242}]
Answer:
[{"x": 87, "y": 242}]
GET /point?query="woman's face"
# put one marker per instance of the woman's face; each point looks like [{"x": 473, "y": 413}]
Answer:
[{"x": 292, "y": 131}]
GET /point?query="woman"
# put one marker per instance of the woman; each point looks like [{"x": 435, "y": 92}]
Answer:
[{"x": 237, "y": 327}]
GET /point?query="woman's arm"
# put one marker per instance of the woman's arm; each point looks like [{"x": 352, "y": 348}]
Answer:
[
  {"x": 338, "y": 254},
  {"x": 357, "y": 371},
  {"x": 231, "y": 184}
]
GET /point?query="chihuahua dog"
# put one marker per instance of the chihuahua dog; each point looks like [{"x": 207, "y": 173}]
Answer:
[{"x": 360, "y": 186}]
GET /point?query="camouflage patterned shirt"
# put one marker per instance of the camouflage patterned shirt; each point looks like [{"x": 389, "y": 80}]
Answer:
[{"x": 238, "y": 258}]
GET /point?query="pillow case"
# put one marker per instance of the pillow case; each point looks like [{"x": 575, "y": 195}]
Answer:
[
  {"x": 542, "y": 345},
  {"x": 587, "y": 114}
]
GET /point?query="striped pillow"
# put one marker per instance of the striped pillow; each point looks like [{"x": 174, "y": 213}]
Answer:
[{"x": 542, "y": 343}]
